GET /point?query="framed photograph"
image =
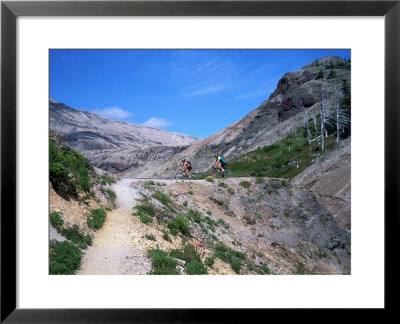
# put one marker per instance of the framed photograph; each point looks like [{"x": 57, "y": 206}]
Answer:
[{"x": 248, "y": 117}]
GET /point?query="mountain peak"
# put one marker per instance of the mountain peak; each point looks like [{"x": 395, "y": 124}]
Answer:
[{"x": 326, "y": 61}]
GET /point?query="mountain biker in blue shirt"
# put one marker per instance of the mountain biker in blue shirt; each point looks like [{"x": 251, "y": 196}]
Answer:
[{"x": 220, "y": 163}]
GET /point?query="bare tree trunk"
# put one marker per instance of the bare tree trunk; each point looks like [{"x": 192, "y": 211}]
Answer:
[
  {"x": 322, "y": 116},
  {"x": 308, "y": 130},
  {"x": 337, "y": 108},
  {"x": 315, "y": 125},
  {"x": 322, "y": 129}
]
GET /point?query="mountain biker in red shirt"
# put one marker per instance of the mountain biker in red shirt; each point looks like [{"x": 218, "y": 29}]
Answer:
[{"x": 186, "y": 166}]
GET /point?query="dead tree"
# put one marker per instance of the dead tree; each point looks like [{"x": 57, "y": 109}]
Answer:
[
  {"x": 315, "y": 125},
  {"x": 342, "y": 119},
  {"x": 308, "y": 129}
]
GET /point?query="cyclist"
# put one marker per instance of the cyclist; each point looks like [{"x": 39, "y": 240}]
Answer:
[
  {"x": 220, "y": 163},
  {"x": 186, "y": 166}
]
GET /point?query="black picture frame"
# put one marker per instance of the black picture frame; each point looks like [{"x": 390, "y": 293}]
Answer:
[{"x": 10, "y": 10}]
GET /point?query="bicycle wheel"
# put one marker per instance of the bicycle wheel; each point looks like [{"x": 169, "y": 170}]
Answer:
[{"x": 180, "y": 175}]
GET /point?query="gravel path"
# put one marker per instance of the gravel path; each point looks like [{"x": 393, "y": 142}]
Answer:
[{"x": 118, "y": 247}]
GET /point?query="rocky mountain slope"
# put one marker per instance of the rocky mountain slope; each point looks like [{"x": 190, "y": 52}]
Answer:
[
  {"x": 296, "y": 93},
  {"x": 330, "y": 178},
  {"x": 248, "y": 225},
  {"x": 108, "y": 143}
]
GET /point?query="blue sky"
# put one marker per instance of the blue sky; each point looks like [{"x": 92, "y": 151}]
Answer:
[{"x": 195, "y": 92}]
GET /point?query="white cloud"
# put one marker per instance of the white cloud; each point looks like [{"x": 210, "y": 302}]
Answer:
[
  {"x": 112, "y": 112},
  {"x": 157, "y": 122}
]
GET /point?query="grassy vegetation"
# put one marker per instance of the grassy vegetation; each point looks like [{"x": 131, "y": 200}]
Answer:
[
  {"x": 245, "y": 184},
  {"x": 56, "y": 221},
  {"x": 147, "y": 211},
  {"x": 112, "y": 196},
  {"x": 194, "y": 266},
  {"x": 149, "y": 183},
  {"x": 218, "y": 202},
  {"x": 230, "y": 190},
  {"x": 166, "y": 235},
  {"x": 145, "y": 219},
  {"x": 209, "y": 261},
  {"x": 162, "y": 263},
  {"x": 227, "y": 254},
  {"x": 283, "y": 159},
  {"x": 65, "y": 258},
  {"x": 179, "y": 224},
  {"x": 265, "y": 269},
  {"x": 96, "y": 218},
  {"x": 70, "y": 172},
  {"x": 150, "y": 237},
  {"x": 162, "y": 197},
  {"x": 106, "y": 179},
  {"x": 73, "y": 233}
]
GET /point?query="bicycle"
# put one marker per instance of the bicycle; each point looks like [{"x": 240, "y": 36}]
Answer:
[
  {"x": 181, "y": 174},
  {"x": 227, "y": 173}
]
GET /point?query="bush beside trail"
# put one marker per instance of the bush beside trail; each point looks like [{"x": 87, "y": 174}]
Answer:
[{"x": 70, "y": 172}]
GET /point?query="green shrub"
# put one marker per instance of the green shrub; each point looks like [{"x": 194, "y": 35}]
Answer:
[
  {"x": 174, "y": 231},
  {"x": 147, "y": 184},
  {"x": 162, "y": 263},
  {"x": 230, "y": 190},
  {"x": 227, "y": 254},
  {"x": 209, "y": 261},
  {"x": 166, "y": 236},
  {"x": 145, "y": 209},
  {"x": 265, "y": 268},
  {"x": 260, "y": 180},
  {"x": 185, "y": 203},
  {"x": 145, "y": 219},
  {"x": 270, "y": 147},
  {"x": 56, "y": 221},
  {"x": 162, "y": 197},
  {"x": 70, "y": 172},
  {"x": 150, "y": 237},
  {"x": 177, "y": 254},
  {"x": 320, "y": 75},
  {"x": 96, "y": 218},
  {"x": 190, "y": 253},
  {"x": 331, "y": 75},
  {"x": 218, "y": 202},
  {"x": 195, "y": 267},
  {"x": 279, "y": 160},
  {"x": 245, "y": 184},
  {"x": 236, "y": 265},
  {"x": 75, "y": 236},
  {"x": 223, "y": 223},
  {"x": 64, "y": 258},
  {"x": 180, "y": 224},
  {"x": 106, "y": 179}
]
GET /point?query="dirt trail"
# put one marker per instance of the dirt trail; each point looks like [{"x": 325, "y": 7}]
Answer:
[{"x": 118, "y": 247}]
